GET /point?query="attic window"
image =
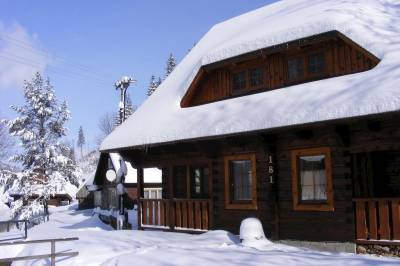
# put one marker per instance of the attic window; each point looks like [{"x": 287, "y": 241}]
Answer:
[
  {"x": 295, "y": 68},
  {"x": 256, "y": 77},
  {"x": 239, "y": 81},
  {"x": 316, "y": 63}
]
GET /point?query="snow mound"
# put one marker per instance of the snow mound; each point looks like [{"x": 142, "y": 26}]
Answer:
[
  {"x": 5, "y": 212},
  {"x": 252, "y": 233}
]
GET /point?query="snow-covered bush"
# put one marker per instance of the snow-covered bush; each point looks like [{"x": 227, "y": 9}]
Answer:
[{"x": 252, "y": 233}]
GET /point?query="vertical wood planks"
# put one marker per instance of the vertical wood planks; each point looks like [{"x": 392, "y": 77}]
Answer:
[
  {"x": 156, "y": 212},
  {"x": 396, "y": 219},
  {"x": 178, "y": 214},
  {"x": 384, "y": 230},
  {"x": 373, "y": 227},
  {"x": 184, "y": 214},
  {"x": 197, "y": 215},
  {"x": 150, "y": 212},
  {"x": 144, "y": 211},
  {"x": 204, "y": 215},
  {"x": 162, "y": 212},
  {"x": 361, "y": 220},
  {"x": 190, "y": 214}
]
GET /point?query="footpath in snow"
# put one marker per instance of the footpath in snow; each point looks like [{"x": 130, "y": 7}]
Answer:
[{"x": 99, "y": 244}]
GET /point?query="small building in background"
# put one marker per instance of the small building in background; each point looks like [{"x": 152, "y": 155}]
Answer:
[{"x": 101, "y": 192}]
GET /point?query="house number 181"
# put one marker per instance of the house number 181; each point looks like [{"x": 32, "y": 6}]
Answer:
[{"x": 270, "y": 169}]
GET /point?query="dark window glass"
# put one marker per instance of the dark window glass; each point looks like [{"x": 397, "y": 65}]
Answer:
[
  {"x": 256, "y": 77},
  {"x": 180, "y": 182},
  {"x": 295, "y": 68},
  {"x": 241, "y": 178},
  {"x": 316, "y": 63},
  {"x": 239, "y": 81},
  {"x": 199, "y": 177},
  {"x": 312, "y": 178}
]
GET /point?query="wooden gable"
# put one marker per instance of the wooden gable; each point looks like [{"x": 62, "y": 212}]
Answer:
[{"x": 318, "y": 57}]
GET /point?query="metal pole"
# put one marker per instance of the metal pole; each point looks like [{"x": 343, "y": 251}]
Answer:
[
  {"x": 26, "y": 228},
  {"x": 123, "y": 85}
]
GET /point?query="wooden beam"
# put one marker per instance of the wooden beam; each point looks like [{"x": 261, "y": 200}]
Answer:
[{"x": 140, "y": 194}]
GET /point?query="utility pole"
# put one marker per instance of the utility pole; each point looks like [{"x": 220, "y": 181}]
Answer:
[{"x": 122, "y": 85}]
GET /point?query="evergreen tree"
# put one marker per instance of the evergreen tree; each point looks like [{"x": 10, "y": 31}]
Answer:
[
  {"x": 81, "y": 140},
  {"x": 40, "y": 128},
  {"x": 159, "y": 81},
  {"x": 152, "y": 85},
  {"x": 129, "y": 108},
  {"x": 171, "y": 64}
]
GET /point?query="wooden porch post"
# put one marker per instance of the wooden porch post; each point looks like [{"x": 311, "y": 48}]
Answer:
[
  {"x": 171, "y": 196},
  {"x": 140, "y": 195}
]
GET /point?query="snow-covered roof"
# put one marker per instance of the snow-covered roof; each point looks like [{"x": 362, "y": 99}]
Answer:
[
  {"x": 67, "y": 189},
  {"x": 150, "y": 175},
  {"x": 371, "y": 24}
]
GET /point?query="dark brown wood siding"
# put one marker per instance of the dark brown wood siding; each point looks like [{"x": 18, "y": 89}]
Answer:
[
  {"x": 316, "y": 225},
  {"x": 346, "y": 139},
  {"x": 341, "y": 57}
]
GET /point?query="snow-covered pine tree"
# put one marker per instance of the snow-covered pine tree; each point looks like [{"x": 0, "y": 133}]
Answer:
[
  {"x": 81, "y": 140},
  {"x": 159, "y": 81},
  {"x": 152, "y": 85},
  {"x": 40, "y": 129},
  {"x": 171, "y": 64},
  {"x": 129, "y": 108},
  {"x": 6, "y": 145}
]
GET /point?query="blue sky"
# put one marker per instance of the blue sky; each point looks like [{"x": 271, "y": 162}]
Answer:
[{"x": 85, "y": 46}]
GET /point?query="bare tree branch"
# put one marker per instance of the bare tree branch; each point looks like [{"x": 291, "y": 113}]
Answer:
[{"x": 107, "y": 123}]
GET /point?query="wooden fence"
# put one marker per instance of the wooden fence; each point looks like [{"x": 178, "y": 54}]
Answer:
[
  {"x": 8, "y": 226},
  {"x": 52, "y": 255},
  {"x": 21, "y": 225},
  {"x": 176, "y": 214},
  {"x": 377, "y": 219}
]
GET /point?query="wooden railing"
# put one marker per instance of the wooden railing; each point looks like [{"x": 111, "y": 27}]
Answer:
[
  {"x": 52, "y": 255},
  {"x": 176, "y": 214},
  {"x": 12, "y": 225},
  {"x": 377, "y": 219}
]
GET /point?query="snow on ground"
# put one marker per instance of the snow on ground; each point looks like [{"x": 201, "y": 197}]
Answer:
[
  {"x": 5, "y": 212},
  {"x": 98, "y": 244}
]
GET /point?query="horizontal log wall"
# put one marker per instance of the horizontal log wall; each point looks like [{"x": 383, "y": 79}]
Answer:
[
  {"x": 345, "y": 138},
  {"x": 337, "y": 225}
]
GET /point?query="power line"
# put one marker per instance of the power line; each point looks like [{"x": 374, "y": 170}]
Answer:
[
  {"x": 33, "y": 63},
  {"x": 54, "y": 71},
  {"x": 45, "y": 53}
]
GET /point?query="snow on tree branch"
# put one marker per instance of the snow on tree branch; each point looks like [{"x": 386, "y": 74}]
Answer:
[{"x": 40, "y": 129}]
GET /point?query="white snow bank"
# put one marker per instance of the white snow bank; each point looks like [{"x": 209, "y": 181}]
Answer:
[
  {"x": 5, "y": 212},
  {"x": 370, "y": 23},
  {"x": 98, "y": 244}
]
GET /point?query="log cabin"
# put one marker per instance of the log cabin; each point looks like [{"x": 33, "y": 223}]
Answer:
[{"x": 289, "y": 113}]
